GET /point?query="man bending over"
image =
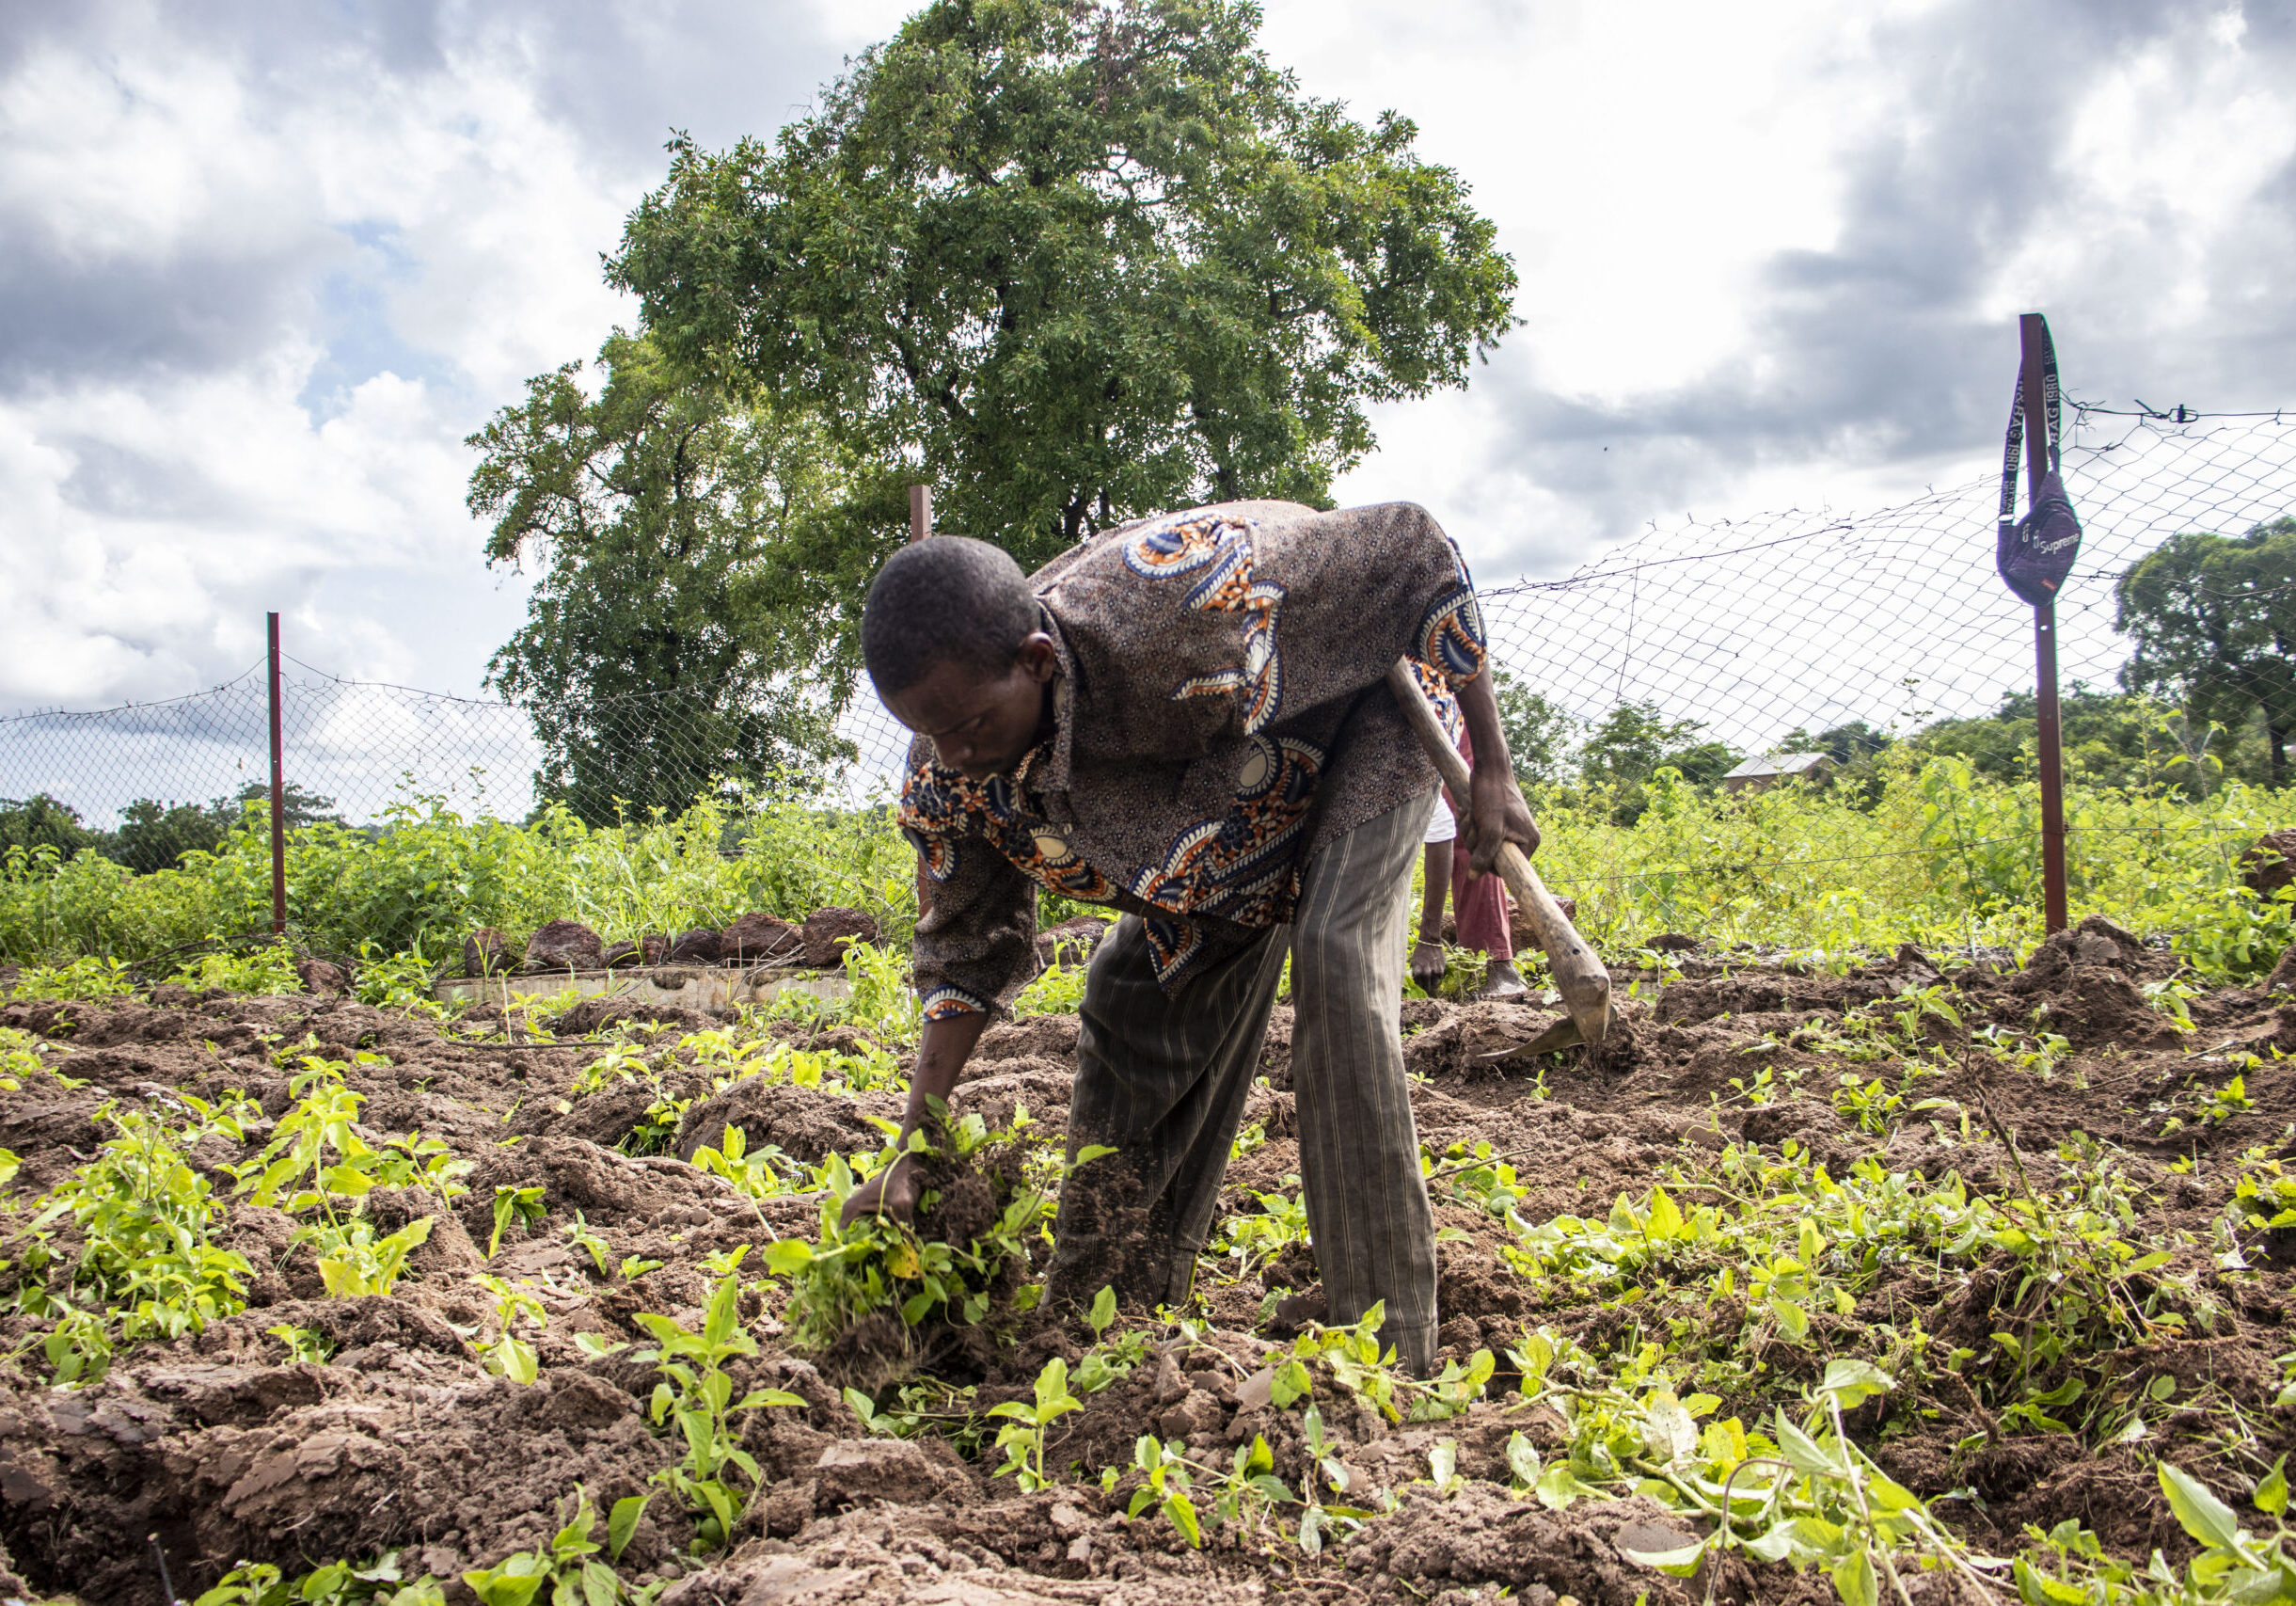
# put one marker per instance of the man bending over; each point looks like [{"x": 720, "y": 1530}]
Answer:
[{"x": 1188, "y": 718}]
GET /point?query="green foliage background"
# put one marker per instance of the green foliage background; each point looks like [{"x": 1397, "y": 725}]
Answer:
[
  {"x": 431, "y": 875},
  {"x": 1935, "y": 851}
]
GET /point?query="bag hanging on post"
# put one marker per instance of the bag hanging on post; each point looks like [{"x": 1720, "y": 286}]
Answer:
[{"x": 2035, "y": 553}]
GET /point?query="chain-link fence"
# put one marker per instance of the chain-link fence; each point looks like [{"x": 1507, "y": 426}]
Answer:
[{"x": 1748, "y": 629}]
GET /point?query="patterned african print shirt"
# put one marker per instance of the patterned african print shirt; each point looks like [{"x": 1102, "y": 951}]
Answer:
[{"x": 1221, "y": 714}]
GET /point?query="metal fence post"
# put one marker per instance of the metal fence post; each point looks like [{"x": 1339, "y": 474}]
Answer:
[
  {"x": 2033, "y": 336},
  {"x": 279, "y": 796}
]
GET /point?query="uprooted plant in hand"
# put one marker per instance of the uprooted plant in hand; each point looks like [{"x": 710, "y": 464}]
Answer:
[{"x": 987, "y": 1198}]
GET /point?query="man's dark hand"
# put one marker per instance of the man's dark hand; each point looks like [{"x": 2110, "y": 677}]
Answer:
[
  {"x": 1496, "y": 815},
  {"x": 893, "y": 1191}
]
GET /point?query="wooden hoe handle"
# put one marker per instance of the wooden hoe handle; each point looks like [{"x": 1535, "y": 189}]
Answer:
[{"x": 1580, "y": 975}]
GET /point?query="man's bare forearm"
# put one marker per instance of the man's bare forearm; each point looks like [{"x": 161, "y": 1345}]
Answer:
[
  {"x": 1495, "y": 810},
  {"x": 1480, "y": 706},
  {"x": 941, "y": 1052}
]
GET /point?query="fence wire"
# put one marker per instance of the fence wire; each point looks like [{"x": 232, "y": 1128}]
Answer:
[{"x": 1751, "y": 627}]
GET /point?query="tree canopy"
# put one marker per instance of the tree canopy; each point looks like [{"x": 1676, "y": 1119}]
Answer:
[
  {"x": 693, "y": 554},
  {"x": 1073, "y": 263},
  {"x": 2214, "y": 622},
  {"x": 154, "y": 835}
]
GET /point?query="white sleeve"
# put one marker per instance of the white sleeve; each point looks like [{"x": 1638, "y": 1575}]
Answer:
[{"x": 1441, "y": 827}]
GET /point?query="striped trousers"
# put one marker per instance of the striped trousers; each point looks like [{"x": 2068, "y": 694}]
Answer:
[{"x": 1163, "y": 1080}]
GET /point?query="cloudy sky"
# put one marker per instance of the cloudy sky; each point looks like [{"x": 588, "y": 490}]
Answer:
[{"x": 265, "y": 266}]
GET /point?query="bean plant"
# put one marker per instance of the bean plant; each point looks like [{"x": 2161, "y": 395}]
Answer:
[
  {"x": 697, "y": 1394},
  {"x": 146, "y": 1264}
]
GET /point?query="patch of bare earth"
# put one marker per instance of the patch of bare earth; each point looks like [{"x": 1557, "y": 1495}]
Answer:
[{"x": 228, "y": 1448}]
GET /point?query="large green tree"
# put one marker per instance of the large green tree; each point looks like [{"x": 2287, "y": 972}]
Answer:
[
  {"x": 2215, "y": 620},
  {"x": 683, "y": 628},
  {"x": 1074, "y": 262}
]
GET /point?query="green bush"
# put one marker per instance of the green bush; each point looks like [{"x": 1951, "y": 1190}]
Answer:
[
  {"x": 1930, "y": 849},
  {"x": 431, "y": 874},
  {"x": 1940, "y": 855}
]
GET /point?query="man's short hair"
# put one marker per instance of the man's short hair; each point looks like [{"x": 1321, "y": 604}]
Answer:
[{"x": 946, "y": 599}]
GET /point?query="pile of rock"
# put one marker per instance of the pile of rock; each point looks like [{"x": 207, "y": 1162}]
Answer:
[{"x": 752, "y": 940}]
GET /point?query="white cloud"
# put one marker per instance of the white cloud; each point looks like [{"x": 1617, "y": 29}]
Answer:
[
  {"x": 270, "y": 267},
  {"x": 1772, "y": 257},
  {"x": 386, "y": 257}
]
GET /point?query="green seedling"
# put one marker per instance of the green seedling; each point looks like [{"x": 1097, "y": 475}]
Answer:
[
  {"x": 1244, "y": 1244},
  {"x": 308, "y": 1345},
  {"x": 568, "y": 1566},
  {"x": 1246, "y": 1491},
  {"x": 1102, "y": 1313},
  {"x": 577, "y": 1233},
  {"x": 1325, "y": 1472},
  {"x": 520, "y": 1204},
  {"x": 511, "y": 1356},
  {"x": 2172, "y": 997},
  {"x": 1022, "y": 1436},
  {"x": 851, "y": 1272},
  {"x": 384, "y": 1582},
  {"x": 925, "y": 1404},
  {"x": 1058, "y": 990},
  {"x": 2227, "y": 1102},
  {"x": 1352, "y": 1359},
  {"x": 147, "y": 1264},
  {"x": 318, "y": 1164},
  {"x": 696, "y": 1394},
  {"x": 753, "y": 1175},
  {"x": 1479, "y": 1176}
]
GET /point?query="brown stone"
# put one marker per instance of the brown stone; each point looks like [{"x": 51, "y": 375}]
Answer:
[
  {"x": 1196, "y": 1419},
  {"x": 761, "y": 939},
  {"x": 825, "y": 930},
  {"x": 565, "y": 945},
  {"x": 2271, "y": 863},
  {"x": 1913, "y": 964},
  {"x": 892, "y": 1470},
  {"x": 318, "y": 977},
  {"x": 701, "y": 945},
  {"x": 2283, "y": 978},
  {"x": 487, "y": 952}
]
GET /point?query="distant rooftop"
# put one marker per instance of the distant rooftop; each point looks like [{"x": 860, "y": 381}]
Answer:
[{"x": 1784, "y": 764}]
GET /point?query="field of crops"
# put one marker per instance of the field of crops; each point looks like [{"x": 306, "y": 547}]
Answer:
[{"x": 1957, "y": 1270}]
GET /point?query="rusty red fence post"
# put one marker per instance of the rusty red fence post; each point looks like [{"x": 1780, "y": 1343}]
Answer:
[
  {"x": 2033, "y": 339},
  {"x": 920, "y": 526},
  {"x": 279, "y": 796}
]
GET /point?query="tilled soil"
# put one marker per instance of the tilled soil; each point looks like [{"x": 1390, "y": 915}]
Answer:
[{"x": 226, "y": 1449}]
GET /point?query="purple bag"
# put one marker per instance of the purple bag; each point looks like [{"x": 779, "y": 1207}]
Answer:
[{"x": 2035, "y": 553}]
